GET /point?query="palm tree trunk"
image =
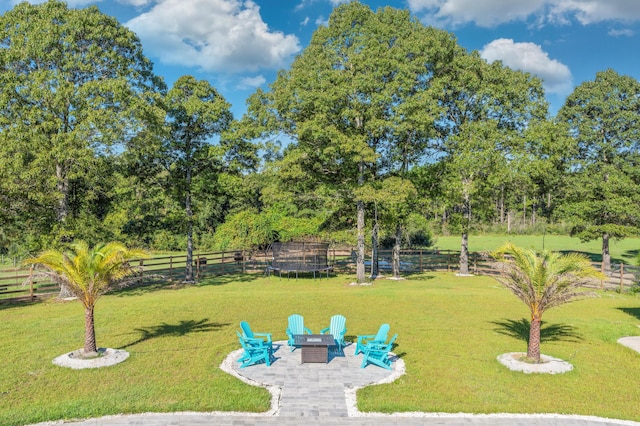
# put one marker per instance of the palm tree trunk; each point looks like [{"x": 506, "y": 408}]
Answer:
[
  {"x": 89, "y": 332},
  {"x": 533, "y": 347}
]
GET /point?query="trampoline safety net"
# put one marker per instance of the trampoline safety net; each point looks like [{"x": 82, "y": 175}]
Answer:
[{"x": 300, "y": 257}]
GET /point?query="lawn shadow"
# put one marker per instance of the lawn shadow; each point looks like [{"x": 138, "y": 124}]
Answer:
[
  {"x": 215, "y": 280},
  {"x": 597, "y": 257},
  {"x": 548, "y": 333},
  {"x": 631, "y": 254},
  {"x": 16, "y": 304},
  {"x": 158, "y": 282},
  {"x": 183, "y": 328},
  {"x": 594, "y": 257},
  {"x": 634, "y": 312}
]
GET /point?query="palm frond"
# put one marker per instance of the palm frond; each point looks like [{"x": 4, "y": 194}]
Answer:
[{"x": 543, "y": 280}]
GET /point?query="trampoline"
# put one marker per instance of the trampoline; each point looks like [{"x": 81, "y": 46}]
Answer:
[{"x": 296, "y": 257}]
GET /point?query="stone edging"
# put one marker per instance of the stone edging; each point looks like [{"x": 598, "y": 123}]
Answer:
[
  {"x": 549, "y": 365},
  {"x": 107, "y": 357}
]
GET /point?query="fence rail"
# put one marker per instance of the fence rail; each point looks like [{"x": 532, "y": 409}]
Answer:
[{"x": 171, "y": 268}]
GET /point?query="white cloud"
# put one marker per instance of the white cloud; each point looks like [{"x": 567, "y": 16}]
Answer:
[
  {"x": 136, "y": 3},
  {"x": 321, "y": 20},
  {"x": 337, "y": 2},
  {"x": 70, "y": 3},
  {"x": 485, "y": 13},
  {"x": 488, "y": 13},
  {"x": 530, "y": 57},
  {"x": 590, "y": 11},
  {"x": 621, "y": 33},
  {"x": 214, "y": 35},
  {"x": 251, "y": 82},
  {"x": 305, "y": 22}
]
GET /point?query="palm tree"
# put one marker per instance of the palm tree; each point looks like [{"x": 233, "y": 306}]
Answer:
[
  {"x": 542, "y": 281},
  {"x": 88, "y": 272}
]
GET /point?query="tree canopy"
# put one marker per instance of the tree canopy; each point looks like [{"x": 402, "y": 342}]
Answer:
[{"x": 75, "y": 83}]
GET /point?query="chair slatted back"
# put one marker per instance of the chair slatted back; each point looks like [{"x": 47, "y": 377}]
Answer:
[
  {"x": 246, "y": 330},
  {"x": 296, "y": 324},
  {"x": 382, "y": 334},
  {"x": 337, "y": 326}
]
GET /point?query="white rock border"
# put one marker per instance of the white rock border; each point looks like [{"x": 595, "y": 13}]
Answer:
[
  {"x": 108, "y": 357},
  {"x": 549, "y": 365}
]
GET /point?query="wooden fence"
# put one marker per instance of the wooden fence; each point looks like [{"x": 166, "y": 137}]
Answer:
[{"x": 171, "y": 269}]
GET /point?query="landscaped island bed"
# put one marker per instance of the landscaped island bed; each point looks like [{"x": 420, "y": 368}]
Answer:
[{"x": 451, "y": 330}]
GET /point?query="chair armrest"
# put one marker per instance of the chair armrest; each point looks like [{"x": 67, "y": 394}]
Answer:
[
  {"x": 324, "y": 330},
  {"x": 308, "y": 331},
  {"x": 375, "y": 345},
  {"x": 365, "y": 337},
  {"x": 254, "y": 342},
  {"x": 267, "y": 335}
]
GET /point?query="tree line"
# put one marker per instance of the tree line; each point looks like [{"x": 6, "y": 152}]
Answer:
[{"x": 380, "y": 132}]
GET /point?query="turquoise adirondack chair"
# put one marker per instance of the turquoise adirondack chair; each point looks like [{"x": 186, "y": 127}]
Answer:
[
  {"x": 372, "y": 339},
  {"x": 379, "y": 354},
  {"x": 256, "y": 338},
  {"x": 254, "y": 352},
  {"x": 296, "y": 326},
  {"x": 337, "y": 328}
]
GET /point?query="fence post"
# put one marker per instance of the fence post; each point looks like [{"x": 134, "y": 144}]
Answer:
[
  {"x": 170, "y": 267},
  {"x": 31, "y": 282},
  {"x": 141, "y": 267},
  {"x": 222, "y": 261},
  {"x": 475, "y": 263},
  {"x": 244, "y": 263},
  {"x": 197, "y": 266},
  {"x": 421, "y": 260},
  {"x": 621, "y": 277},
  {"x": 448, "y": 261}
]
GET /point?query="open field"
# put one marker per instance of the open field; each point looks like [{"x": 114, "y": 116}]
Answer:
[
  {"x": 625, "y": 250},
  {"x": 450, "y": 330}
]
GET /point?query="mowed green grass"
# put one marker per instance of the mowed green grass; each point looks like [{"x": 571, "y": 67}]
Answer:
[
  {"x": 622, "y": 250},
  {"x": 451, "y": 330}
]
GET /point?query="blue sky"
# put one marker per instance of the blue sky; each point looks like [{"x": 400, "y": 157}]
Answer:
[{"x": 239, "y": 45}]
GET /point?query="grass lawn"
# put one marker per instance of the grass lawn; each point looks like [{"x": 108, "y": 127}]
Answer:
[
  {"x": 625, "y": 250},
  {"x": 450, "y": 330}
]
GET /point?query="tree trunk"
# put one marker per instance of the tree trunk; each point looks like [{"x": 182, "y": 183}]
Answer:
[
  {"x": 89, "y": 332},
  {"x": 360, "y": 272},
  {"x": 464, "y": 254},
  {"x": 62, "y": 186},
  {"x": 65, "y": 292},
  {"x": 502, "y": 204},
  {"x": 606, "y": 256},
  {"x": 533, "y": 212},
  {"x": 464, "y": 245},
  {"x": 533, "y": 346},
  {"x": 395, "y": 258},
  {"x": 375, "y": 267},
  {"x": 62, "y": 211},
  {"x": 189, "y": 267}
]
